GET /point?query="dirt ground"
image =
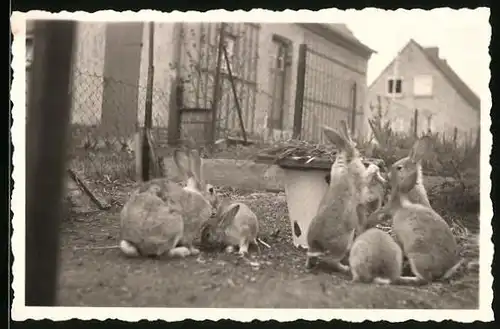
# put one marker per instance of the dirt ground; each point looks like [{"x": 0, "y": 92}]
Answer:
[{"x": 275, "y": 278}]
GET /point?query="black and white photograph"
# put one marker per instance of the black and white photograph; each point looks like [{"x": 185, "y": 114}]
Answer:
[{"x": 252, "y": 165}]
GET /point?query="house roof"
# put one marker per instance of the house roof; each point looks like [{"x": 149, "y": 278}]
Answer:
[
  {"x": 343, "y": 31},
  {"x": 455, "y": 81},
  {"x": 342, "y": 35}
]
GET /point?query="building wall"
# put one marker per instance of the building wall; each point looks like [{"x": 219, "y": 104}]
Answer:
[
  {"x": 255, "y": 74},
  {"x": 353, "y": 69},
  {"x": 298, "y": 35},
  {"x": 446, "y": 106},
  {"x": 88, "y": 72}
]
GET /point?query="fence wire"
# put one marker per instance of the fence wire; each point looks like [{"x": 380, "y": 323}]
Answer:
[{"x": 330, "y": 95}]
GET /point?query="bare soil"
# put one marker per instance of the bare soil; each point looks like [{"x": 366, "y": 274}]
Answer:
[{"x": 274, "y": 278}]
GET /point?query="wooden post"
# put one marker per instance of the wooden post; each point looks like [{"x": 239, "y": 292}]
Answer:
[
  {"x": 415, "y": 123},
  {"x": 148, "y": 108},
  {"x": 138, "y": 153},
  {"x": 173, "y": 112},
  {"x": 455, "y": 136},
  {"x": 299, "y": 91},
  {"x": 354, "y": 105},
  {"x": 215, "y": 99},
  {"x": 46, "y": 145},
  {"x": 235, "y": 95}
]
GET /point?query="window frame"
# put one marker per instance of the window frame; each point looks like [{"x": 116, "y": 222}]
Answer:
[{"x": 393, "y": 79}]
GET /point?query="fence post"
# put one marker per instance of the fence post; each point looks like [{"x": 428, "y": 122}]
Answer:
[
  {"x": 455, "y": 136},
  {"x": 148, "y": 108},
  {"x": 215, "y": 99},
  {"x": 299, "y": 92},
  {"x": 174, "y": 111},
  {"x": 415, "y": 123},
  {"x": 47, "y": 128},
  {"x": 354, "y": 105}
]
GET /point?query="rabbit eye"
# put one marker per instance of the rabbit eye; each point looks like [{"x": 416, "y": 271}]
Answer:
[
  {"x": 211, "y": 190},
  {"x": 398, "y": 168}
]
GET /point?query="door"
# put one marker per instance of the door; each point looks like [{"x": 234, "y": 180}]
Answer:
[{"x": 280, "y": 73}]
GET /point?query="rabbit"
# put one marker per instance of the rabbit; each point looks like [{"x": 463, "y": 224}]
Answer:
[
  {"x": 332, "y": 229},
  {"x": 233, "y": 224},
  {"x": 425, "y": 237},
  {"x": 375, "y": 190},
  {"x": 418, "y": 194},
  {"x": 150, "y": 227},
  {"x": 375, "y": 257},
  {"x": 192, "y": 202}
]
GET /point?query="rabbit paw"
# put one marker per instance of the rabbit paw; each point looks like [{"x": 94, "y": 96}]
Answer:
[
  {"x": 229, "y": 249},
  {"x": 194, "y": 251},
  {"x": 344, "y": 269},
  {"x": 179, "y": 252},
  {"x": 243, "y": 251}
]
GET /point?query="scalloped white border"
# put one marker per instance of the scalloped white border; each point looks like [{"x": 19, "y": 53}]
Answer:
[{"x": 20, "y": 312}]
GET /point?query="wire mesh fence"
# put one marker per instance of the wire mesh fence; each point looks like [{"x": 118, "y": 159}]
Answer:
[
  {"x": 198, "y": 66},
  {"x": 327, "y": 96},
  {"x": 109, "y": 87}
]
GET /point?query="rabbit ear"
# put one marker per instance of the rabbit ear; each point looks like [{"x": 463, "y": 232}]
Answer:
[
  {"x": 346, "y": 132},
  {"x": 377, "y": 135},
  {"x": 420, "y": 148},
  {"x": 195, "y": 166},
  {"x": 182, "y": 162},
  {"x": 334, "y": 137},
  {"x": 228, "y": 216}
]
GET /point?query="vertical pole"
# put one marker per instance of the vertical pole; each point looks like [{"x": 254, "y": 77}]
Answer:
[
  {"x": 299, "y": 92},
  {"x": 354, "y": 105},
  {"x": 148, "y": 108},
  {"x": 415, "y": 123},
  {"x": 46, "y": 146},
  {"x": 455, "y": 136},
  {"x": 174, "y": 111},
  {"x": 215, "y": 99},
  {"x": 235, "y": 94}
]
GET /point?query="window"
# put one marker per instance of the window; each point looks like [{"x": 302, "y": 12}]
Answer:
[
  {"x": 394, "y": 86},
  {"x": 422, "y": 85}
]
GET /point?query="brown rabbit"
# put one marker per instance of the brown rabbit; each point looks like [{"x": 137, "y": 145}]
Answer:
[
  {"x": 192, "y": 202},
  {"x": 234, "y": 224},
  {"x": 150, "y": 227},
  {"x": 375, "y": 256},
  {"x": 333, "y": 228},
  {"x": 418, "y": 193},
  {"x": 426, "y": 239}
]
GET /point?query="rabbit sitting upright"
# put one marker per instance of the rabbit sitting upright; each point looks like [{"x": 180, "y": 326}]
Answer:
[
  {"x": 418, "y": 193},
  {"x": 192, "y": 204},
  {"x": 426, "y": 239},
  {"x": 333, "y": 228},
  {"x": 234, "y": 224}
]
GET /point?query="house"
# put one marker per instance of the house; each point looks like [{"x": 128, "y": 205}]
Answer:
[
  {"x": 111, "y": 69},
  {"x": 418, "y": 78}
]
